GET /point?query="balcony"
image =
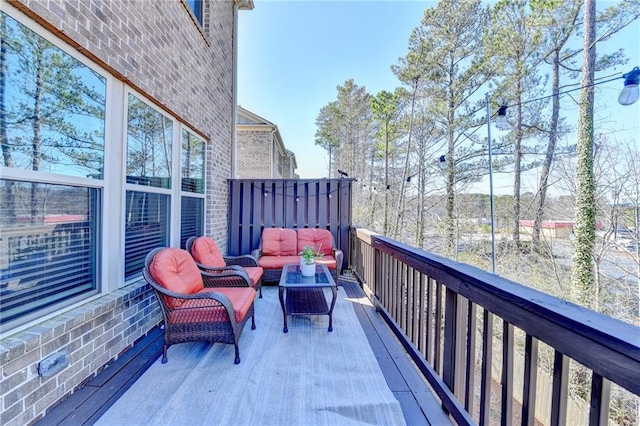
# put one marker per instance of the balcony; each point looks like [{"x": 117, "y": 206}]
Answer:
[
  {"x": 478, "y": 340},
  {"x": 455, "y": 343}
]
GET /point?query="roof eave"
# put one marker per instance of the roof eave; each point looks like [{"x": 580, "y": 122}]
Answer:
[{"x": 244, "y": 4}]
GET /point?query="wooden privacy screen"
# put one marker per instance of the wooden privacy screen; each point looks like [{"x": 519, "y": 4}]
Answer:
[{"x": 255, "y": 204}]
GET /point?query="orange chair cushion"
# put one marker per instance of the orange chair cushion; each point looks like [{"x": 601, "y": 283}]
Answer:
[
  {"x": 201, "y": 311},
  {"x": 255, "y": 273},
  {"x": 205, "y": 251},
  {"x": 277, "y": 262},
  {"x": 175, "y": 270},
  {"x": 279, "y": 242},
  {"x": 320, "y": 239}
]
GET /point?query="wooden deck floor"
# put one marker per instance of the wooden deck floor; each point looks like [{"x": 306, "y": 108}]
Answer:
[{"x": 418, "y": 403}]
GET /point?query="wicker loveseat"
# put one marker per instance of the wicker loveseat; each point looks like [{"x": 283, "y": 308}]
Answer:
[
  {"x": 194, "y": 308},
  {"x": 281, "y": 246}
]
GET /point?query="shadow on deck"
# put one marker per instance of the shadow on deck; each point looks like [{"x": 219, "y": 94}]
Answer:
[{"x": 419, "y": 406}]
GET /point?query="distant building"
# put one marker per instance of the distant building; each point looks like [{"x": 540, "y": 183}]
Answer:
[
  {"x": 261, "y": 151},
  {"x": 548, "y": 228},
  {"x": 551, "y": 228}
]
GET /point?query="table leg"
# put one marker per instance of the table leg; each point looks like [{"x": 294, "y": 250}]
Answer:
[
  {"x": 334, "y": 291},
  {"x": 284, "y": 310}
]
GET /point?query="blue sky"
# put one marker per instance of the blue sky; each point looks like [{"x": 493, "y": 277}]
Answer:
[{"x": 293, "y": 55}]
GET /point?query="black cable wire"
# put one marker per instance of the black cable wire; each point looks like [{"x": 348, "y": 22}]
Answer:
[{"x": 595, "y": 83}]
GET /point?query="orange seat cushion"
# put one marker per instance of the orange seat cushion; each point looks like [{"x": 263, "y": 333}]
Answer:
[
  {"x": 277, "y": 262},
  {"x": 205, "y": 251},
  {"x": 279, "y": 242},
  {"x": 255, "y": 273},
  {"x": 201, "y": 311},
  {"x": 175, "y": 270},
  {"x": 330, "y": 261},
  {"x": 320, "y": 239}
]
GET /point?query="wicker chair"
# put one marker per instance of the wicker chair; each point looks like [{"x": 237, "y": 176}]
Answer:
[
  {"x": 208, "y": 257},
  {"x": 194, "y": 306}
]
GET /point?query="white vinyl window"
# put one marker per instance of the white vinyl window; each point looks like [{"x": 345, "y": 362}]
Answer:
[
  {"x": 92, "y": 176},
  {"x": 148, "y": 175},
  {"x": 51, "y": 175}
]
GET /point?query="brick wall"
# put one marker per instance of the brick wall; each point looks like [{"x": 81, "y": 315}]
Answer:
[
  {"x": 93, "y": 334},
  {"x": 155, "y": 48},
  {"x": 254, "y": 153}
]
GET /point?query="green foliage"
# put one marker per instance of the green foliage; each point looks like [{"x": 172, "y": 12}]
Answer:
[{"x": 309, "y": 254}]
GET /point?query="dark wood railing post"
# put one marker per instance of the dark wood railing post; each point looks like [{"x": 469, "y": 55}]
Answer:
[
  {"x": 453, "y": 372},
  {"x": 530, "y": 381},
  {"x": 560, "y": 387},
  {"x": 600, "y": 392},
  {"x": 507, "y": 374}
]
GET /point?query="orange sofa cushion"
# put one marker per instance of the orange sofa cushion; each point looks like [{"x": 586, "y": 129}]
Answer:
[
  {"x": 205, "y": 251},
  {"x": 175, "y": 270},
  {"x": 320, "y": 239},
  {"x": 277, "y": 262},
  {"x": 328, "y": 260},
  {"x": 279, "y": 242},
  {"x": 197, "y": 311}
]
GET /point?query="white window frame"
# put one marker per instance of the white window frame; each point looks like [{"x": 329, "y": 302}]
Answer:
[
  {"x": 113, "y": 186},
  {"x": 182, "y": 193},
  {"x": 103, "y": 274}
]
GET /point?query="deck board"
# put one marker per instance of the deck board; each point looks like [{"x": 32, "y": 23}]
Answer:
[
  {"x": 404, "y": 379},
  {"x": 419, "y": 405}
]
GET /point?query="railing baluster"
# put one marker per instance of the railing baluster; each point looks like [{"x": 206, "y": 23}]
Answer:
[
  {"x": 450, "y": 339},
  {"x": 422, "y": 313},
  {"x": 559, "y": 392},
  {"x": 430, "y": 337},
  {"x": 437, "y": 338},
  {"x": 487, "y": 358},
  {"x": 460, "y": 351},
  {"x": 506, "y": 417},
  {"x": 471, "y": 357},
  {"x": 599, "y": 405},
  {"x": 530, "y": 381},
  {"x": 413, "y": 301}
]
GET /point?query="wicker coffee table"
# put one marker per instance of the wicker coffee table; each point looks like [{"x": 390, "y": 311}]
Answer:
[{"x": 300, "y": 295}]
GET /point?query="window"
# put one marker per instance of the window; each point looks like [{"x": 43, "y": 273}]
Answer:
[
  {"x": 149, "y": 136},
  {"x": 48, "y": 244},
  {"x": 60, "y": 186},
  {"x": 149, "y": 159},
  {"x": 147, "y": 227},
  {"x": 192, "y": 176},
  {"x": 53, "y": 109},
  {"x": 193, "y": 151},
  {"x": 196, "y": 8},
  {"x": 191, "y": 219}
]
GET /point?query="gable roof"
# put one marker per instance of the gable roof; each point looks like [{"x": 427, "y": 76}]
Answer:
[
  {"x": 247, "y": 117},
  {"x": 246, "y": 120}
]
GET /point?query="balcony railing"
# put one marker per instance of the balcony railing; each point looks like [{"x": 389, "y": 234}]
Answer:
[{"x": 481, "y": 340}]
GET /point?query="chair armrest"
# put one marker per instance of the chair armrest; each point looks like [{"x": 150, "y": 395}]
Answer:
[
  {"x": 339, "y": 256},
  {"x": 256, "y": 253},
  {"x": 212, "y": 269},
  {"x": 242, "y": 260},
  {"x": 228, "y": 278}
]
